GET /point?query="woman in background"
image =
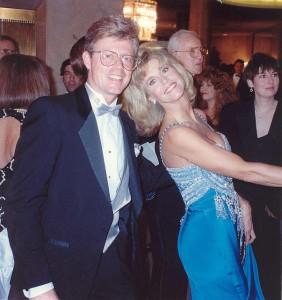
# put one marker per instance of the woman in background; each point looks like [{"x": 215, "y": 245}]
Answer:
[
  {"x": 254, "y": 130},
  {"x": 23, "y": 79},
  {"x": 215, "y": 89}
]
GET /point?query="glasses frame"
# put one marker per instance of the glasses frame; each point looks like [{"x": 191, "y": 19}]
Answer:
[
  {"x": 137, "y": 59},
  {"x": 204, "y": 51},
  {"x": 8, "y": 51}
]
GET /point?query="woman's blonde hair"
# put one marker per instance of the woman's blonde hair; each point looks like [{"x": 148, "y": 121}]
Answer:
[{"x": 148, "y": 116}]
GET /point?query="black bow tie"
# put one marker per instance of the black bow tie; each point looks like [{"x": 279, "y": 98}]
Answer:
[{"x": 104, "y": 109}]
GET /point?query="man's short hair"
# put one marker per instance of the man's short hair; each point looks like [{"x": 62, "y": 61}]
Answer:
[
  {"x": 112, "y": 26},
  {"x": 176, "y": 40},
  {"x": 10, "y": 39},
  {"x": 239, "y": 60},
  {"x": 64, "y": 65}
]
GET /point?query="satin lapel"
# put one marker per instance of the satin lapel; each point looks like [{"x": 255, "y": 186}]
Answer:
[
  {"x": 90, "y": 138},
  {"x": 134, "y": 184}
]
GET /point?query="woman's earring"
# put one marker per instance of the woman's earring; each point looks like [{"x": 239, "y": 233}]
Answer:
[
  {"x": 251, "y": 89},
  {"x": 154, "y": 101}
]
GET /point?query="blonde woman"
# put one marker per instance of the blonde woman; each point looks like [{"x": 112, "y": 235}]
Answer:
[{"x": 211, "y": 241}]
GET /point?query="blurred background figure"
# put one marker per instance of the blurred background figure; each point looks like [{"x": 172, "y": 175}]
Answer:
[
  {"x": 254, "y": 130},
  {"x": 8, "y": 45},
  {"x": 186, "y": 47},
  {"x": 22, "y": 79},
  {"x": 215, "y": 89},
  {"x": 238, "y": 69},
  {"x": 76, "y": 58},
  {"x": 71, "y": 79}
]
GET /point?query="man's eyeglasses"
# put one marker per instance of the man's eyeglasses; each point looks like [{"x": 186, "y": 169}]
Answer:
[
  {"x": 7, "y": 51},
  {"x": 195, "y": 52},
  {"x": 109, "y": 58}
]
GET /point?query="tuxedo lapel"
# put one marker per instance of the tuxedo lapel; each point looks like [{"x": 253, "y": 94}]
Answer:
[
  {"x": 130, "y": 156},
  {"x": 90, "y": 139}
]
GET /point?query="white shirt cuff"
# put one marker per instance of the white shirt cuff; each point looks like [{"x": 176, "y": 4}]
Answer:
[{"x": 38, "y": 290}]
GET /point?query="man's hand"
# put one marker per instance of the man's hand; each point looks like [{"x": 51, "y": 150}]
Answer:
[
  {"x": 50, "y": 295},
  {"x": 247, "y": 220}
]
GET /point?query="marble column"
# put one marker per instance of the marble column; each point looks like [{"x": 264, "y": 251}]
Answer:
[
  {"x": 199, "y": 19},
  {"x": 60, "y": 24}
]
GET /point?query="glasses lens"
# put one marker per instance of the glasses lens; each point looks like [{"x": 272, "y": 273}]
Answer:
[
  {"x": 204, "y": 51},
  {"x": 195, "y": 52},
  {"x": 7, "y": 51},
  {"x": 129, "y": 62},
  {"x": 108, "y": 58}
]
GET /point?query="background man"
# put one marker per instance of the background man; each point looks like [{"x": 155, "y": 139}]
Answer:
[
  {"x": 75, "y": 196},
  {"x": 187, "y": 48},
  {"x": 8, "y": 45},
  {"x": 70, "y": 79},
  {"x": 238, "y": 68}
]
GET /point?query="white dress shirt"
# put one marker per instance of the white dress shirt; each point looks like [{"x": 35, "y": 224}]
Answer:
[
  {"x": 110, "y": 132},
  {"x": 236, "y": 79}
]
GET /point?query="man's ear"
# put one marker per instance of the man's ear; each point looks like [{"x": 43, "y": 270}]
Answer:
[
  {"x": 86, "y": 57},
  {"x": 250, "y": 83}
]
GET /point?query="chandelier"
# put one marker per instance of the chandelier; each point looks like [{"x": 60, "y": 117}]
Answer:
[
  {"x": 144, "y": 12},
  {"x": 254, "y": 3}
]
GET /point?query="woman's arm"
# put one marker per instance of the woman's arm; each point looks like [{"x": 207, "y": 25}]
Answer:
[{"x": 189, "y": 145}]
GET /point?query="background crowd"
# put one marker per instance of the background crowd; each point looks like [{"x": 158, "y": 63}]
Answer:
[{"x": 64, "y": 249}]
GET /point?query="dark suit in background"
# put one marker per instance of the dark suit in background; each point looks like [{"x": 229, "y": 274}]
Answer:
[{"x": 163, "y": 212}]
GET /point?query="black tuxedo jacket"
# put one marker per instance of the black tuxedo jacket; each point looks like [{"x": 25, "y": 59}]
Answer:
[{"x": 59, "y": 210}]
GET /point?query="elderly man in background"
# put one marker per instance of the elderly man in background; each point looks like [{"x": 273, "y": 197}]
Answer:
[{"x": 186, "y": 47}]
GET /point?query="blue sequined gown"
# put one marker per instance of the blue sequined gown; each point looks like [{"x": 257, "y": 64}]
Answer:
[{"x": 211, "y": 240}]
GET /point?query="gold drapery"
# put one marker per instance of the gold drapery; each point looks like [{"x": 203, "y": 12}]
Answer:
[{"x": 20, "y": 25}]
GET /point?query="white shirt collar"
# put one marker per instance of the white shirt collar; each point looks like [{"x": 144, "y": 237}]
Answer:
[{"x": 96, "y": 98}]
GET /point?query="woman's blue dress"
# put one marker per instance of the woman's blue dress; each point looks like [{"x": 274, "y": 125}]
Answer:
[{"x": 211, "y": 238}]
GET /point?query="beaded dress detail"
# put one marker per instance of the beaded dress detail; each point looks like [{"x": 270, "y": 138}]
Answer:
[
  {"x": 7, "y": 171},
  {"x": 6, "y": 255},
  {"x": 211, "y": 241},
  {"x": 194, "y": 182}
]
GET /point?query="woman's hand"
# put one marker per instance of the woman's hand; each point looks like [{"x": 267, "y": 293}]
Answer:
[{"x": 247, "y": 220}]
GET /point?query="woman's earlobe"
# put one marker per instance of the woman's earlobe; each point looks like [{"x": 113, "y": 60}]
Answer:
[
  {"x": 152, "y": 100},
  {"x": 250, "y": 83}
]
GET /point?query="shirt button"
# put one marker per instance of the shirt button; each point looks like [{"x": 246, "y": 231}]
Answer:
[{"x": 110, "y": 151}]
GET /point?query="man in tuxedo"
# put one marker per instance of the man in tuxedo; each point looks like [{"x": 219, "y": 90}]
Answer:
[
  {"x": 75, "y": 197},
  {"x": 238, "y": 68}
]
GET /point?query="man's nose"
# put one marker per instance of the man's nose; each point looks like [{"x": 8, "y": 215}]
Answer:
[{"x": 119, "y": 62}]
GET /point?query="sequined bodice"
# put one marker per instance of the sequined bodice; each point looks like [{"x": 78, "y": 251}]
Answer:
[{"x": 193, "y": 182}]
